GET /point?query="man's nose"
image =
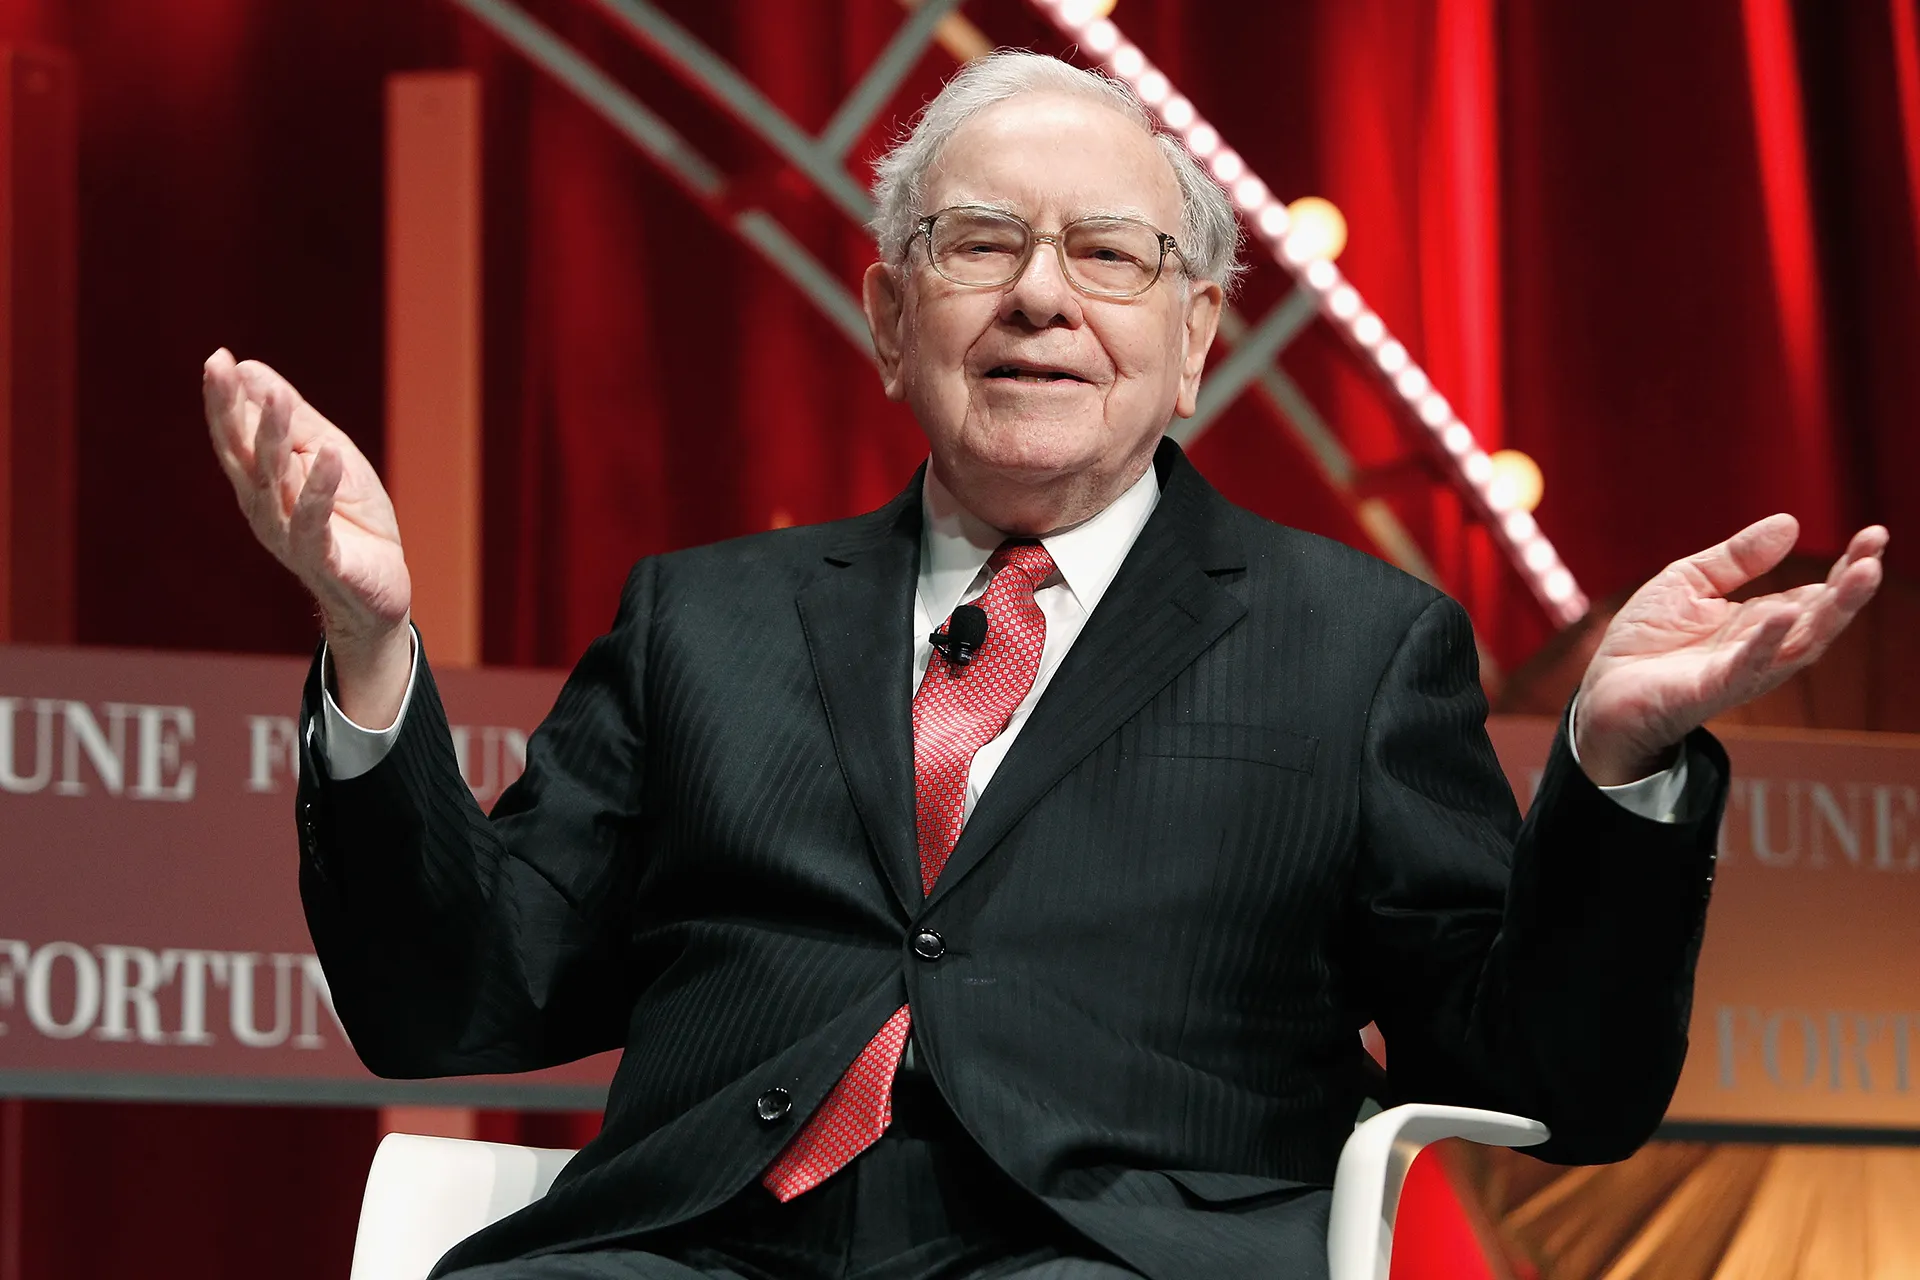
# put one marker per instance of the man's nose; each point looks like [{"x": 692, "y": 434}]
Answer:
[{"x": 1041, "y": 294}]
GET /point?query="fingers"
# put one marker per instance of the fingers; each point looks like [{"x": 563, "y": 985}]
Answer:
[
  {"x": 1746, "y": 555},
  {"x": 260, "y": 378},
  {"x": 1857, "y": 585},
  {"x": 1749, "y": 669},
  {"x": 225, "y": 402},
  {"x": 273, "y": 452},
  {"x": 1835, "y": 606},
  {"x": 1871, "y": 541},
  {"x": 305, "y": 425},
  {"x": 1763, "y": 644},
  {"x": 309, "y": 534},
  {"x": 1868, "y": 544}
]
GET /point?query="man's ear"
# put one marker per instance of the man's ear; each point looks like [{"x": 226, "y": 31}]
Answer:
[
  {"x": 1203, "y": 320},
  {"x": 882, "y": 298}
]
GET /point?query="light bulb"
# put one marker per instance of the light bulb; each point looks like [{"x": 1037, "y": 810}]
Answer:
[
  {"x": 1322, "y": 223},
  {"x": 1517, "y": 482},
  {"x": 1078, "y": 13}
]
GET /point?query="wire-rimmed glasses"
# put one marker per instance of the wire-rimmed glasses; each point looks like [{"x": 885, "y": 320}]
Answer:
[{"x": 1105, "y": 256}]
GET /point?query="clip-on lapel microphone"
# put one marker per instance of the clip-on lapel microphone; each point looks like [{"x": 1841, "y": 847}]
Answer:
[{"x": 966, "y": 632}]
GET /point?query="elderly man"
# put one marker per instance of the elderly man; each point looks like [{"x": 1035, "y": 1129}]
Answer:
[{"x": 994, "y": 884}]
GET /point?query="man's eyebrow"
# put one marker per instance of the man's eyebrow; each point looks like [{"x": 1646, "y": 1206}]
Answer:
[
  {"x": 1122, "y": 211},
  {"x": 1007, "y": 206},
  {"x": 992, "y": 206}
]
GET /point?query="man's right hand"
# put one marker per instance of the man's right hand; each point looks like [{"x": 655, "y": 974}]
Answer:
[{"x": 316, "y": 503}]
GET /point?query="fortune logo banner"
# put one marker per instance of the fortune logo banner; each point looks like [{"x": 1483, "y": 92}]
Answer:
[
  {"x": 123, "y": 993},
  {"x": 152, "y": 942},
  {"x": 1807, "y": 1007}
]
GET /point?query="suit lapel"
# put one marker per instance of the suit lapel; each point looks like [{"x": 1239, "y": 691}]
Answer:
[
  {"x": 858, "y": 620},
  {"x": 1162, "y": 611}
]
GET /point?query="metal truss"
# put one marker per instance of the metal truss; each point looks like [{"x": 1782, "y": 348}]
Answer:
[{"x": 1252, "y": 365}]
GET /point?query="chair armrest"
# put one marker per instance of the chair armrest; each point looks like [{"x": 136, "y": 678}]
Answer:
[
  {"x": 1373, "y": 1168},
  {"x": 425, "y": 1195}
]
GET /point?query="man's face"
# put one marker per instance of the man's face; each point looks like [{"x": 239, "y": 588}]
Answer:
[{"x": 966, "y": 359}]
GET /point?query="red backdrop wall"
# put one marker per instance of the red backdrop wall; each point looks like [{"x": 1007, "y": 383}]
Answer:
[{"x": 1667, "y": 248}]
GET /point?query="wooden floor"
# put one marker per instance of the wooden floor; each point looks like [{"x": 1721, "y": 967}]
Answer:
[{"x": 1691, "y": 1211}]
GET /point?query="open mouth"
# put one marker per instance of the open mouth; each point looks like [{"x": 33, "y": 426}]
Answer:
[{"x": 1021, "y": 373}]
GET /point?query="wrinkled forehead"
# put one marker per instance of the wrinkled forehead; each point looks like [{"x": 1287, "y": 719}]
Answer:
[{"x": 1053, "y": 157}]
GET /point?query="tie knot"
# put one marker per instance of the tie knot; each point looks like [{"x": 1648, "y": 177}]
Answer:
[{"x": 1029, "y": 559}]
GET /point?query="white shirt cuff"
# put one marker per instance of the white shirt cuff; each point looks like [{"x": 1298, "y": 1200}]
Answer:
[
  {"x": 348, "y": 748},
  {"x": 1656, "y": 797}
]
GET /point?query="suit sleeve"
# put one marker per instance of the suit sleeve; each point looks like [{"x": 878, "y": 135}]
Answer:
[
  {"x": 1543, "y": 967},
  {"x": 455, "y": 943}
]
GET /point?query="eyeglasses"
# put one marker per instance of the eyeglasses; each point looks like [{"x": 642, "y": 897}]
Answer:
[{"x": 1106, "y": 257}]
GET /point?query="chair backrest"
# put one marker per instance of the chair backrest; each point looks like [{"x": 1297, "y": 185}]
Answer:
[{"x": 425, "y": 1195}]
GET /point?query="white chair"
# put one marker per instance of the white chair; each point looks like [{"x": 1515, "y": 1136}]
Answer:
[
  {"x": 1373, "y": 1168},
  {"x": 424, "y": 1195}
]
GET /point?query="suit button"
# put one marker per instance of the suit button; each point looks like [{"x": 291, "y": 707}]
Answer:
[
  {"x": 929, "y": 945},
  {"x": 773, "y": 1106}
]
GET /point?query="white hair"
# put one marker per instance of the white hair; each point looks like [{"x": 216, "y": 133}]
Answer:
[{"x": 1209, "y": 232}]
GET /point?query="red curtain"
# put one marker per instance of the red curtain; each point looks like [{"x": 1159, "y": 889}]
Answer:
[{"x": 1669, "y": 249}]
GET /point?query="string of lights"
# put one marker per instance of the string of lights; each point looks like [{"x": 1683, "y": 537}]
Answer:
[{"x": 1304, "y": 239}]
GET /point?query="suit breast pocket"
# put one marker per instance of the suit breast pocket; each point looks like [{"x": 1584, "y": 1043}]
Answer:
[{"x": 1208, "y": 740}]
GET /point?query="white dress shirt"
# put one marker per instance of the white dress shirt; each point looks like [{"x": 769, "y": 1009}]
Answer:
[{"x": 954, "y": 547}]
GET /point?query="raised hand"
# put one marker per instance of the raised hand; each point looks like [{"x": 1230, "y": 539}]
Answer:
[
  {"x": 1679, "y": 652},
  {"x": 315, "y": 502}
]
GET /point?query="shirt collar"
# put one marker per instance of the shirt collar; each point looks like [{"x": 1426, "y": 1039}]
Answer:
[{"x": 955, "y": 544}]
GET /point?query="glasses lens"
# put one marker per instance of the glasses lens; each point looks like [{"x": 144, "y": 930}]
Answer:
[
  {"x": 1112, "y": 255},
  {"x": 975, "y": 247}
]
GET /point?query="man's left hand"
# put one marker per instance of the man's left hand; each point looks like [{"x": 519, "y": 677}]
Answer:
[{"x": 1679, "y": 652}]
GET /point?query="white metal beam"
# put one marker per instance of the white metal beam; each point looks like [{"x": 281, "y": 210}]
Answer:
[
  {"x": 1253, "y": 350},
  {"x": 877, "y": 87},
  {"x": 658, "y": 140},
  {"x": 710, "y": 72}
]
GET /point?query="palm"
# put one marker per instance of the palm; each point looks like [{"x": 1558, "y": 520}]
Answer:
[
  {"x": 311, "y": 496},
  {"x": 1679, "y": 652}
]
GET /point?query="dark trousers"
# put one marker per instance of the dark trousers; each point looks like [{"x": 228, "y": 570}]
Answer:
[{"x": 923, "y": 1203}]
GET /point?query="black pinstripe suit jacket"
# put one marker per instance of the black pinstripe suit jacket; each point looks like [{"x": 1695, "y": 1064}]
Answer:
[{"x": 1255, "y": 808}]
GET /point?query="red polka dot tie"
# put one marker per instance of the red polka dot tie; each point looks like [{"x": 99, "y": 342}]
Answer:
[{"x": 957, "y": 711}]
